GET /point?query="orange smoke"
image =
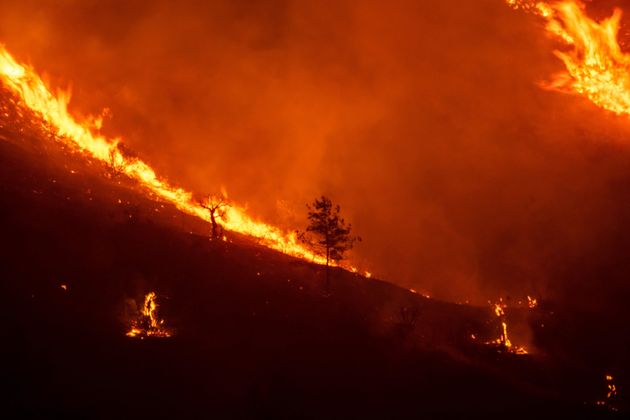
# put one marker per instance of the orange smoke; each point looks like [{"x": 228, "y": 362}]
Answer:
[
  {"x": 36, "y": 95},
  {"x": 596, "y": 67}
]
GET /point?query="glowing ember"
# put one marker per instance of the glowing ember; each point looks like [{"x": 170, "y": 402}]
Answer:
[
  {"x": 596, "y": 67},
  {"x": 610, "y": 395},
  {"x": 612, "y": 389},
  {"x": 148, "y": 324},
  {"x": 36, "y": 95},
  {"x": 532, "y": 302}
]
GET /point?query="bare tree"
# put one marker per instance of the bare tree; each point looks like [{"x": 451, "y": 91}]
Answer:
[
  {"x": 407, "y": 319},
  {"x": 216, "y": 206},
  {"x": 331, "y": 234}
]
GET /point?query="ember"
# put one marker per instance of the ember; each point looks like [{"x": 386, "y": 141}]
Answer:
[{"x": 611, "y": 395}]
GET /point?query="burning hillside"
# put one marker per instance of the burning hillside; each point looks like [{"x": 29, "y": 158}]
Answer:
[
  {"x": 278, "y": 116},
  {"x": 243, "y": 316},
  {"x": 493, "y": 171},
  {"x": 53, "y": 109}
]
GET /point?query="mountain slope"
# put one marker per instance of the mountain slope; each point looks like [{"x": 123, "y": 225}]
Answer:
[{"x": 255, "y": 336}]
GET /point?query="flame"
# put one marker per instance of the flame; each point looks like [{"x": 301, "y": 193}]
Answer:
[
  {"x": 596, "y": 67},
  {"x": 504, "y": 340},
  {"x": 53, "y": 109},
  {"x": 148, "y": 324}
]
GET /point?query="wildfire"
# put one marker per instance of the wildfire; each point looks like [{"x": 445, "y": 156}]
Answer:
[
  {"x": 148, "y": 324},
  {"x": 53, "y": 109},
  {"x": 596, "y": 67},
  {"x": 504, "y": 340}
]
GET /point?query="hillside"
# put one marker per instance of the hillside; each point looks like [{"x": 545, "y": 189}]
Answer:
[{"x": 255, "y": 334}]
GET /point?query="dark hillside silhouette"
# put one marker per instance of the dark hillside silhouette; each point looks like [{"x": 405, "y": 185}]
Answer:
[{"x": 254, "y": 337}]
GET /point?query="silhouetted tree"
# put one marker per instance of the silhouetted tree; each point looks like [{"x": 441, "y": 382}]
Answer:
[
  {"x": 329, "y": 234},
  {"x": 216, "y": 206}
]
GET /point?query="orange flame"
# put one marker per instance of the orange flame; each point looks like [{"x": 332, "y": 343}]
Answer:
[
  {"x": 596, "y": 67},
  {"x": 148, "y": 324},
  {"x": 504, "y": 340},
  {"x": 36, "y": 95}
]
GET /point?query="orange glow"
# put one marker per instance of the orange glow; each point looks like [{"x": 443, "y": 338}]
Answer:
[
  {"x": 36, "y": 95},
  {"x": 148, "y": 324},
  {"x": 596, "y": 67}
]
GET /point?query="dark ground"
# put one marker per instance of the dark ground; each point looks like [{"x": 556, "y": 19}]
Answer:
[{"x": 255, "y": 334}]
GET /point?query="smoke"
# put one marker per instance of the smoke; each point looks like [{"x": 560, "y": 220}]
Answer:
[{"x": 424, "y": 120}]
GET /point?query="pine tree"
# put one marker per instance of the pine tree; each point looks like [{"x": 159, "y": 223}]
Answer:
[{"x": 327, "y": 233}]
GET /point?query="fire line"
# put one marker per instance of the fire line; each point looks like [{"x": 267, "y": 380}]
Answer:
[{"x": 53, "y": 109}]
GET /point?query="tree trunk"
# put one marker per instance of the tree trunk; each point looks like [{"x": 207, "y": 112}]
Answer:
[
  {"x": 327, "y": 256},
  {"x": 214, "y": 226},
  {"x": 327, "y": 269}
]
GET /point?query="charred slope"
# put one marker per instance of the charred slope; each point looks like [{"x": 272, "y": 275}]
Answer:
[{"x": 255, "y": 335}]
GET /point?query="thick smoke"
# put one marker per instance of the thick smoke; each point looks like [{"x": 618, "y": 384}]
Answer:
[{"x": 424, "y": 120}]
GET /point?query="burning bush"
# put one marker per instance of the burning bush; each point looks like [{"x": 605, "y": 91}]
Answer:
[{"x": 147, "y": 323}]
